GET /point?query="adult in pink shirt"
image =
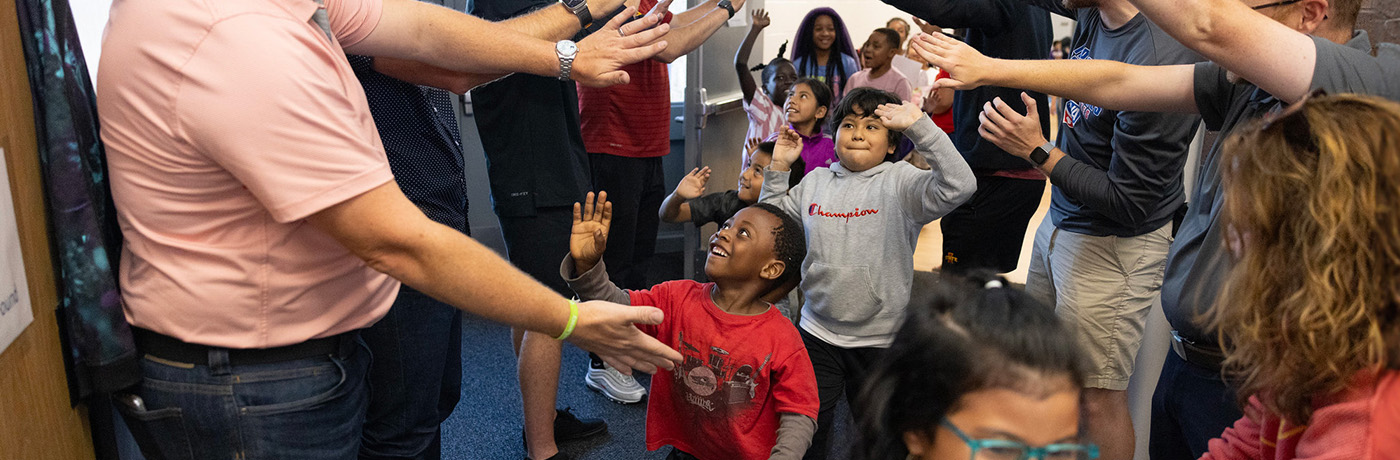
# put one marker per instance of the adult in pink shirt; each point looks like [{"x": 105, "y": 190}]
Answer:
[{"x": 262, "y": 227}]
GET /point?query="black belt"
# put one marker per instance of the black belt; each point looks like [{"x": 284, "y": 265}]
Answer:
[
  {"x": 1207, "y": 356},
  {"x": 173, "y": 349}
]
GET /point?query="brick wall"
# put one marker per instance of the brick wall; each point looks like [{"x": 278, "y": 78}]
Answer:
[{"x": 1381, "y": 20}]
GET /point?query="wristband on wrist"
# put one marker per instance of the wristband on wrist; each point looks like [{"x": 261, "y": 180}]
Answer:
[{"x": 573, "y": 320}]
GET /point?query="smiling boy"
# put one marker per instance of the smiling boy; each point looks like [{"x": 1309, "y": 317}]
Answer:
[
  {"x": 862, "y": 217},
  {"x": 745, "y": 388}
]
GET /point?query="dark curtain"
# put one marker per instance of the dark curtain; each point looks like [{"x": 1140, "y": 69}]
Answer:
[{"x": 83, "y": 233}]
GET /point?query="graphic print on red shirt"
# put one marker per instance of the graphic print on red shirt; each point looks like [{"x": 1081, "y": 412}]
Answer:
[{"x": 738, "y": 373}]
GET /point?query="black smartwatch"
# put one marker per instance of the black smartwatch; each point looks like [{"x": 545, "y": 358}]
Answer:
[
  {"x": 580, "y": 9},
  {"x": 727, "y": 7},
  {"x": 1042, "y": 154}
]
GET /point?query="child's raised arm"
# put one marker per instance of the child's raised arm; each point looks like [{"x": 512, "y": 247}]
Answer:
[
  {"x": 787, "y": 149},
  {"x": 741, "y": 57},
  {"x": 928, "y": 195},
  {"x": 587, "y": 241},
  {"x": 675, "y": 208}
]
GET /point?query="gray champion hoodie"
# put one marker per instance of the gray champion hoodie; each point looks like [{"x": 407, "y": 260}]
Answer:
[{"x": 861, "y": 231}]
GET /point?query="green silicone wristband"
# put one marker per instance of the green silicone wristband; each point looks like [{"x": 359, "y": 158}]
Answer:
[{"x": 573, "y": 320}]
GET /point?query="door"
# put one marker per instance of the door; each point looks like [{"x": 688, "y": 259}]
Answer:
[{"x": 715, "y": 123}]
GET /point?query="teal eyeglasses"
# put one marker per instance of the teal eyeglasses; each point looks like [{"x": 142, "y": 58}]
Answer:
[{"x": 1001, "y": 449}]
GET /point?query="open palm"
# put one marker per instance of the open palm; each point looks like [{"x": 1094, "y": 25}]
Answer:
[{"x": 589, "y": 237}]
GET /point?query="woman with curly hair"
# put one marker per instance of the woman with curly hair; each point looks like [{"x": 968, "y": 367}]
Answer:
[
  {"x": 822, "y": 50},
  {"x": 1309, "y": 315}
]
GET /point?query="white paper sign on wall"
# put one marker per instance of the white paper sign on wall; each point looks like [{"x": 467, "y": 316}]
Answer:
[{"x": 15, "y": 311}]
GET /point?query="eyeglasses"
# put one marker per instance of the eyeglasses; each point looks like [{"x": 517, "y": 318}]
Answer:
[
  {"x": 1296, "y": 129},
  {"x": 1271, "y": 5},
  {"x": 1001, "y": 449}
]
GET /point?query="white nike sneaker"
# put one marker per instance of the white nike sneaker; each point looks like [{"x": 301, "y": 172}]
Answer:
[{"x": 621, "y": 388}]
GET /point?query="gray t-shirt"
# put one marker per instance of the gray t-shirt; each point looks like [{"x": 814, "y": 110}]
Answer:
[
  {"x": 1123, "y": 174},
  {"x": 1198, "y": 262}
]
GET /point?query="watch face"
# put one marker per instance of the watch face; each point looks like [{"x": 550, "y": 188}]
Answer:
[
  {"x": 573, "y": 4},
  {"x": 566, "y": 48}
]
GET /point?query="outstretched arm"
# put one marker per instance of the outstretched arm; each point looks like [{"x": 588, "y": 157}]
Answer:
[
  {"x": 741, "y": 58},
  {"x": 1108, "y": 84},
  {"x": 787, "y": 149},
  {"x": 583, "y": 267},
  {"x": 551, "y": 23},
  {"x": 1263, "y": 51},
  {"x": 676, "y": 208},
  {"x": 441, "y": 37},
  {"x": 693, "y": 26},
  {"x": 929, "y": 194},
  {"x": 394, "y": 237}
]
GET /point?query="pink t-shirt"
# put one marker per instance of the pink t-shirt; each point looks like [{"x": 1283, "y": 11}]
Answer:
[
  {"x": 893, "y": 81},
  {"x": 765, "y": 117},
  {"x": 226, "y": 125}
]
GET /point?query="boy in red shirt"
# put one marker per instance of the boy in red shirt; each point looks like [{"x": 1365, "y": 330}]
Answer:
[{"x": 746, "y": 389}]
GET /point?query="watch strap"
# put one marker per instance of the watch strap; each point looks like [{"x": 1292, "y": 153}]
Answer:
[
  {"x": 728, "y": 6},
  {"x": 580, "y": 10}
]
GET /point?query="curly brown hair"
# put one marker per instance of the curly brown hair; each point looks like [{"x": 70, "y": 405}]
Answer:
[{"x": 1312, "y": 210}]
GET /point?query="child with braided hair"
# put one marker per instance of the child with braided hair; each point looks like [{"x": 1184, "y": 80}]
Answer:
[{"x": 766, "y": 116}]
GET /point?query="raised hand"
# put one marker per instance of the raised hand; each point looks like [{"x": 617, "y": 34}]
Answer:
[
  {"x": 603, "y": 53},
  {"x": 786, "y": 150},
  {"x": 967, "y": 68},
  {"x": 589, "y": 237},
  {"x": 607, "y": 329},
  {"x": 1015, "y": 133},
  {"x": 899, "y": 117},
  {"x": 693, "y": 184},
  {"x": 760, "y": 19}
]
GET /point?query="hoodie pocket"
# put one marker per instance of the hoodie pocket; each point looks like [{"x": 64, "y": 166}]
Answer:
[{"x": 844, "y": 293}]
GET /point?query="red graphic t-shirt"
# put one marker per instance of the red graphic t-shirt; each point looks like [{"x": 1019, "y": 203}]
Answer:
[{"x": 738, "y": 373}]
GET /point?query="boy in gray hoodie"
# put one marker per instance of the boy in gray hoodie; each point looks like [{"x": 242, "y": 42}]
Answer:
[{"x": 862, "y": 217}]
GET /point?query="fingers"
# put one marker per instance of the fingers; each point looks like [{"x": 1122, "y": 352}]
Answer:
[
  {"x": 661, "y": 8},
  {"x": 993, "y": 114},
  {"x": 635, "y": 27},
  {"x": 1006, "y": 112},
  {"x": 607, "y": 217},
  {"x": 949, "y": 83},
  {"x": 636, "y": 53},
  {"x": 988, "y": 128},
  {"x": 622, "y": 363},
  {"x": 1030, "y": 104},
  {"x": 588, "y": 207},
  {"x": 616, "y": 22},
  {"x": 578, "y": 216}
]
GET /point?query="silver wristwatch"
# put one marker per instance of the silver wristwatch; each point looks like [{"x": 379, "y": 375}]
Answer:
[{"x": 567, "y": 50}]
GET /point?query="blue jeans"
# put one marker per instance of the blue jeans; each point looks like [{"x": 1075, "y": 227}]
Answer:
[
  {"x": 415, "y": 380},
  {"x": 310, "y": 408},
  {"x": 1190, "y": 406}
]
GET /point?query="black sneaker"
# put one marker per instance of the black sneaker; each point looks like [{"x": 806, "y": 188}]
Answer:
[{"x": 568, "y": 427}]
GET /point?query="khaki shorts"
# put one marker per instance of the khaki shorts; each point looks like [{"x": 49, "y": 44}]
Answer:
[{"x": 1103, "y": 287}]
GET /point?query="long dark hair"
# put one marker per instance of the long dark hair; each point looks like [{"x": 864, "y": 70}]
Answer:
[
  {"x": 803, "y": 47},
  {"x": 960, "y": 335}
]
